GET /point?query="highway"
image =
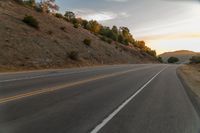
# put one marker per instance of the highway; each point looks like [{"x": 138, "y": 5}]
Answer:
[{"x": 145, "y": 98}]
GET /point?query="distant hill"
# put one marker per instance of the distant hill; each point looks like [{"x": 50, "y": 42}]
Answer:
[
  {"x": 182, "y": 55},
  {"x": 56, "y": 44}
]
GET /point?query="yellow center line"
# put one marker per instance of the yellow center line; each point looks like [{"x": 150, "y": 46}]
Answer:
[{"x": 51, "y": 89}]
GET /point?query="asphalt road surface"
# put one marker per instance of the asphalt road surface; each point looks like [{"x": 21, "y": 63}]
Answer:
[{"x": 146, "y": 98}]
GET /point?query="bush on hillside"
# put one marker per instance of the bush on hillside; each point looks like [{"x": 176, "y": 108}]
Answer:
[
  {"x": 73, "y": 55},
  {"x": 173, "y": 60},
  {"x": 63, "y": 28},
  {"x": 19, "y": 1},
  {"x": 195, "y": 59},
  {"x": 109, "y": 41},
  {"x": 38, "y": 8},
  {"x": 76, "y": 25},
  {"x": 31, "y": 21},
  {"x": 103, "y": 38},
  {"x": 58, "y": 15},
  {"x": 87, "y": 41},
  {"x": 160, "y": 59},
  {"x": 49, "y": 32},
  {"x": 30, "y": 3}
]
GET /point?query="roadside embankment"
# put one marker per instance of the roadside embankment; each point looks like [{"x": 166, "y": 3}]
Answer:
[{"x": 190, "y": 77}]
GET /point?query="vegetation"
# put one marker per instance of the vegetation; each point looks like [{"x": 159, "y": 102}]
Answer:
[
  {"x": 76, "y": 25},
  {"x": 63, "y": 28},
  {"x": 195, "y": 59},
  {"x": 160, "y": 59},
  {"x": 43, "y": 6},
  {"x": 173, "y": 60},
  {"x": 69, "y": 15},
  {"x": 87, "y": 41},
  {"x": 58, "y": 15},
  {"x": 107, "y": 34},
  {"x": 31, "y": 21},
  {"x": 73, "y": 55},
  {"x": 121, "y": 34},
  {"x": 49, "y": 32},
  {"x": 29, "y": 2}
]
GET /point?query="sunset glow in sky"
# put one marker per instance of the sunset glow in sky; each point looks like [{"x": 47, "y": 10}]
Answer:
[{"x": 166, "y": 25}]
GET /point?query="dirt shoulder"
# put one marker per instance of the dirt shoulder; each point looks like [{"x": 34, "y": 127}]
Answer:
[{"x": 190, "y": 77}]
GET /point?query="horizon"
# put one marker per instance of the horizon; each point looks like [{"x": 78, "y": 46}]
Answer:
[{"x": 164, "y": 25}]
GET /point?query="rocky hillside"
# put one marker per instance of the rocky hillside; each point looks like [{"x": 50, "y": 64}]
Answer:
[
  {"x": 55, "y": 44},
  {"x": 182, "y": 55}
]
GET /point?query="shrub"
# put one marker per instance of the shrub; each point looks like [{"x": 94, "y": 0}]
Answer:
[
  {"x": 109, "y": 41},
  {"x": 160, "y": 59},
  {"x": 87, "y": 42},
  {"x": 50, "y": 32},
  {"x": 151, "y": 52},
  {"x": 103, "y": 38},
  {"x": 38, "y": 9},
  {"x": 63, "y": 28},
  {"x": 31, "y": 21},
  {"x": 19, "y": 1},
  {"x": 195, "y": 59},
  {"x": 76, "y": 25},
  {"x": 30, "y": 3},
  {"x": 173, "y": 60},
  {"x": 74, "y": 55},
  {"x": 58, "y": 15}
]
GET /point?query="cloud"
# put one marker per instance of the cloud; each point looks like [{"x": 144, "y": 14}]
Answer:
[
  {"x": 116, "y": 0},
  {"x": 99, "y": 15},
  {"x": 172, "y": 36},
  {"x": 183, "y": 0}
]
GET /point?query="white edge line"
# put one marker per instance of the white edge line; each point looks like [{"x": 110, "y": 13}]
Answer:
[{"x": 115, "y": 112}]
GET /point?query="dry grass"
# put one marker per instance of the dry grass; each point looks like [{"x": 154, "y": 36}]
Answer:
[
  {"x": 23, "y": 47},
  {"x": 191, "y": 75}
]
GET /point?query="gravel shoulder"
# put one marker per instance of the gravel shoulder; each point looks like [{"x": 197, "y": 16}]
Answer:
[{"x": 190, "y": 77}]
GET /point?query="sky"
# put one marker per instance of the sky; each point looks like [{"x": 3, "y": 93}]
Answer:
[{"x": 165, "y": 25}]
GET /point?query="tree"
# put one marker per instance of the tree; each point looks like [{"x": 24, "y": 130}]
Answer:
[
  {"x": 115, "y": 30},
  {"x": 94, "y": 26},
  {"x": 84, "y": 24},
  {"x": 70, "y": 15},
  {"x": 49, "y": 5},
  {"x": 195, "y": 59},
  {"x": 141, "y": 44},
  {"x": 160, "y": 59},
  {"x": 121, "y": 39},
  {"x": 173, "y": 60},
  {"x": 30, "y": 2},
  {"x": 125, "y": 32}
]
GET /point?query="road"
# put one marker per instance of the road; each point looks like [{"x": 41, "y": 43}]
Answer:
[{"x": 146, "y": 98}]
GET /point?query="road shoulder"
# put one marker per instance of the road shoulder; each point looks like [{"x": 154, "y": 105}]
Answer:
[{"x": 189, "y": 76}]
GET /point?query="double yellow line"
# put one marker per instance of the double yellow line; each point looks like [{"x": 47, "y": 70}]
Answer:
[{"x": 51, "y": 89}]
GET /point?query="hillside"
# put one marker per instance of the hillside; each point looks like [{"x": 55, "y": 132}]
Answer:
[
  {"x": 23, "y": 47},
  {"x": 183, "y": 55}
]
